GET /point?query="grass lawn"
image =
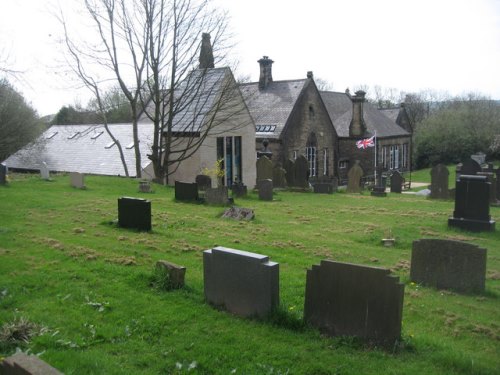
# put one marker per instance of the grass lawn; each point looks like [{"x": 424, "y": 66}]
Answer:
[{"x": 82, "y": 286}]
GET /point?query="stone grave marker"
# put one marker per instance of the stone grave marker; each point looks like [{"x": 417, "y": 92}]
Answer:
[
  {"x": 397, "y": 181},
  {"x": 145, "y": 187},
  {"x": 380, "y": 185},
  {"x": 354, "y": 178},
  {"x": 265, "y": 188},
  {"x": 447, "y": 264},
  {"x": 493, "y": 185},
  {"x": 77, "y": 180},
  {"x": 186, "y": 191},
  {"x": 301, "y": 173},
  {"x": 472, "y": 207},
  {"x": 26, "y": 364},
  {"x": 279, "y": 176},
  {"x": 134, "y": 213},
  {"x": 322, "y": 188},
  {"x": 239, "y": 189},
  {"x": 289, "y": 167},
  {"x": 244, "y": 283},
  {"x": 439, "y": 182},
  {"x": 497, "y": 172},
  {"x": 344, "y": 299},
  {"x": 174, "y": 272},
  {"x": 204, "y": 182},
  {"x": 239, "y": 213},
  {"x": 44, "y": 171},
  {"x": 3, "y": 174},
  {"x": 218, "y": 195},
  {"x": 470, "y": 167},
  {"x": 264, "y": 168},
  {"x": 479, "y": 158}
]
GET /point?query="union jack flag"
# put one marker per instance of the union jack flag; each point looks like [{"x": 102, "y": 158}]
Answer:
[{"x": 365, "y": 143}]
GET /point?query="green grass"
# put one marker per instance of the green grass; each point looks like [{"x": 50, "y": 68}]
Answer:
[{"x": 87, "y": 286}]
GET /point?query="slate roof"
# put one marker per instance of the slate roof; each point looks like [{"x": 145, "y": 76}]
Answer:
[
  {"x": 339, "y": 107},
  {"x": 85, "y": 149},
  {"x": 270, "y": 108},
  {"x": 392, "y": 113}
]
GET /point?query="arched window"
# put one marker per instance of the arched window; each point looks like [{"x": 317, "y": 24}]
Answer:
[{"x": 312, "y": 154}]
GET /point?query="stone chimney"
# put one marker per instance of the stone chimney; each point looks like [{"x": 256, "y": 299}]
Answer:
[
  {"x": 357, "y": 128},
  {"x": 206, "y": 53},
  {"x": 310, "y": 75},
  {"x": 266, "y": 72}
]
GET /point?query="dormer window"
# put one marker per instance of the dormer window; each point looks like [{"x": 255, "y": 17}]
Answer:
[
  {"x": 51, "y": 135},
  {"x": 97, "y": 135},
  {"x": 73, "y": 135},
  {"x": 109, "y": 145}
]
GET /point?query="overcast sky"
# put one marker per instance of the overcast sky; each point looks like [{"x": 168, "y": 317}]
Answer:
[{"x": 410, "y": 45}]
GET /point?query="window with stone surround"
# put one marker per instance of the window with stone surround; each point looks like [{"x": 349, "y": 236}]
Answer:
[{"x": 312, "y": 155}]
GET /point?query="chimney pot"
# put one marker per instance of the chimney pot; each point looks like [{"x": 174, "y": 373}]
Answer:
[
  {"x": 266, "y": 72},
  {"x": 310, "y": 75}
]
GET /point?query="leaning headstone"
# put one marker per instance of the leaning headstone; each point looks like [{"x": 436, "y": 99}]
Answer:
[
  {"x": 289, "y": 167},
  {"x": 446, "y": 264},
  {"x": 186, "y": 191},
  {"x": 439, "y": 182},
  {"x": 172, "y": 272},
  {"x": 354, "y": 178},
  {"x": 77, "y": 180},
  {"x": 344, "y": 299},
  {"x": 44, "y": 171},
  {"x": 204, "y": 182},
  {"x": 264, "y": 168},
  {"x": 470, "y": 167},
  {"x": 265, "y": 188},
  {"x": 239, "y": 213},
  {"x": 3, "y": 174},
  {"x": 218, "y": 195},
  {"x": 479, "y": 158},
  {"x": 472, "y": 207},
  {"x": 245, "y": 284},
  {"x": 24, "y": 364},
  {"x": 279, "y": 176},
  {"x": 239, "y": 189},
  {"x": 493, "y": 185},
  {"x": 397, "y": 181},
  {"x": 301, "y": 173},
  {"x": 134, "y": 213}
]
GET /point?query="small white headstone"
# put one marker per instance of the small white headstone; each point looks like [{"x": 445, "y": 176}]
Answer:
[
  {"x": 44, "y": 171},
  {"x": 77, "y": 180}
]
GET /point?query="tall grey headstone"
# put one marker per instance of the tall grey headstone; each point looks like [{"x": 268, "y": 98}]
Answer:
[
  {"x": 289, "y": 167},
  {"x": 344, "y": 299},
  {"x": 77, "y": 180},
  {"x": 439, "y": 182},
  {"x": 470, "y": 167},
  {"x": 244, "y": 283},
  {"x": 354, "y": 178},
  {"x": 3, "y": 174},
  {"x": 279, "y": 176},
  {"x": 447, "y": 264},
  {"x": 264, "y": 168},
  {"x": 301, "y": 172},
  {"x": 44, "y": 171}
]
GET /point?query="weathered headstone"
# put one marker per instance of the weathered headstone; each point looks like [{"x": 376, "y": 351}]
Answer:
[
  {"x": 24, "y": 364},
  {"x": 3, "y": 174},
  {"x": 470, "y": 168},
  {"x": 479, "y": 158},
  {"x": 239, "y": 189},
  {"x": 354, "y": 300},
  {"x": 239, "y": 213},
  {"x": 245, "y": 284},
  {"x": 134, "y": 213},
  {"x": 77, "y": 180},
  {"x": 354, "y": 178},
  {"x": 446, "y": 264},
  {"x": 186, "y": 191},
  {"x": 493, "y": 185},
  {"x": 44, "y": 171},
  {"x": 218, "y": 195},
  {"x": 279, "y": 176},
  {"x": 145, "y": 186},
  {"x": 472, "y": 208},
  {"x": 204, "y": 182},
  {"x": 173, "y": 272},
  {"x": 323, "y": 188},
  {"x": 301, "y": 173},
  {"x": 380, "y": 182},
  {"x": 439, "y": 182},
  {"x": 264, "y": 168},
  {"x": 397, "y": 181},
  {"x": 289, "y": 167},
  {"x": 265, "y": 188}
]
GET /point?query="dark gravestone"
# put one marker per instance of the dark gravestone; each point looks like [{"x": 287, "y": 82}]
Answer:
[
  {"x": 446, "y": 264},
  {"x": 24, "y": 364},
  {"x": 379, "y": 188},
  {"x": 439, "y": 182},
  {"x": 134, "y": 213},
  {"x": 174, "y": 273},
  {"x": 186, "y": 191},
  {"x": 264, "y": 169},
  {"x": 493, "y": 185},
  {"x": 246, "y": 284},
  {"x": 289, "y": 167},
  {"x": 3, "y": 174},
  {"x": 354, "y": 178},
  {"x": 301, "y": 172},
  {"x": 323, "y": 188},
  {"x": 397, "y": 181},
  {"x": 204, "y": 182},
  {"x": 479, "y": 158},
  {"x": 279, "y": 176},
  {"x": 472, "y": 208},
  {"x": 354, "y": 300},
  {"x": 265, "y": 188},
  {"x": 217, "y": 195},
  {"x": 239, "y": 189},
  {"x": 497, "y": 172},
  {"x": 470, "y": 167}
]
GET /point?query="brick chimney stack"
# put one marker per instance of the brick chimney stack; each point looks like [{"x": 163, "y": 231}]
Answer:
[
  {"x": 357, "y": 128},
  {"x": 266, "y": 72},
  {"x": 206, "y": 52}
]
